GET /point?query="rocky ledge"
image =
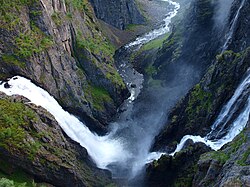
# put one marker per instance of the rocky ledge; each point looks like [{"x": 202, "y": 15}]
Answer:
[{"x": 32, "y": 141}]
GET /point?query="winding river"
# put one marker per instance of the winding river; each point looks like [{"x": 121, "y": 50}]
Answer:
[{"x": 126, "y": 149}]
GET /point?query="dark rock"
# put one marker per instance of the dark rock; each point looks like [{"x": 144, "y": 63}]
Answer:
[
  {"x": 133, "y": 85},
  {"x": 120, "y": 12},
  {"x": 228, "y": 166},
  {"x": 6, "y": 85},
  {"x": 58, "y": 160},
  {"x": 178, "y": 170},
  {"x": 56, "y": 67}
]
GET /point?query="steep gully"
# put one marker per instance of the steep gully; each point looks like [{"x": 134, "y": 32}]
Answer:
[
  {"x": 118, "y": 150},
  {"x": 125, "y": 150}
]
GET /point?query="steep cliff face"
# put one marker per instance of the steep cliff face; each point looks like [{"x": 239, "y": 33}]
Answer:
[
  {"x": 178, "y": 170},
  {"x": 31, "y": 141},
  {"x": 227, "y": 167},
  {"x": 119, "y": 13},
  {"x": 198, "y": 110},
  {"x": 203, "y": 103},
  {"x": 59, "y": 45}
]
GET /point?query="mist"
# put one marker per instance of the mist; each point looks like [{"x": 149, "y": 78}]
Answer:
[
  {"x": 222, "y": 10},
  {"x": 137, "y": 128}
]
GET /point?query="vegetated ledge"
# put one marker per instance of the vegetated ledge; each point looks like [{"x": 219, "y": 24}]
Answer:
[
  {"x": 39, "y": 40},
  {"x": 196, "y": 165},
  {"x": 34, "y": 146},
  {"x": 196, "y": 112}
]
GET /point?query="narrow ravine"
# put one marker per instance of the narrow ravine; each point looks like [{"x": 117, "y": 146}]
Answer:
[
  {"x": 234, "y": 115},
  {"x": 196, "y": 89},
  {"x": 125, "y": 149}
]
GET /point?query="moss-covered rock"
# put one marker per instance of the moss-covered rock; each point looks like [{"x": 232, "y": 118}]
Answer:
[
  {"x": 196, "y": 112},
  {"x": 226, "y": 167},
  {"x": 176, "y": 171},
  {"x": 34, "y": 147},
  {"x": 60, "y": 46}
]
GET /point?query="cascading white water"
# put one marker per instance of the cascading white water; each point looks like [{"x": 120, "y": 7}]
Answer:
[
  {"x": 235, "y": 128},
  {"x": 108, "y": 150},
  {"x": 232, "y": 27},
  {"x": 157, "y": 32},
  {"x": 102, "y": 150}
]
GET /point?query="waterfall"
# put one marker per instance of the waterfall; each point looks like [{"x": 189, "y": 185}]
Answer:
[
  {"x": 103, "y": 150},
  {"x": 125, "y": 149},
  {"x": 232, "y": 27},
  {"x": 238, "y": 122}
]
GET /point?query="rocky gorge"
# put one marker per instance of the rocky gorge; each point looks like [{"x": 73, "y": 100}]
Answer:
[{"x": 133, "y": 104}]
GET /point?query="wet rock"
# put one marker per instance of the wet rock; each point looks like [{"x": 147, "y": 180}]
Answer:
[
  {"x": 228, "y": 166},
  {"x": 56, "y": 67},
  {"x": 121, "y": 12},
  {"x": 133, "y": 85},
  {"x": 178, "y": 170},
  {"x": 6, "y": 85},
  {"x": 55, "y": 154}
]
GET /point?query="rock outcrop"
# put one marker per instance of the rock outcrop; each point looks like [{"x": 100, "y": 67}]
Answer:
[
  {"x": 227, "y": 167},
  {"x": 119, "y": 13},
  {"x": 178, "y": 170},
  {"x": 59, "y": 46},
  {"x": 32, "y": 140},
  {"x": 196, "y": 112}
]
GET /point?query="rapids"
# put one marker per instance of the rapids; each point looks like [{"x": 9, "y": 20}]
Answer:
[{"x": 121, "y": 150}]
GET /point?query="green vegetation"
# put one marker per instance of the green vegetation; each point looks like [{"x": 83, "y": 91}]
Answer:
[
  {"x": 150, "y": 70},
  {"x": 14, "y": 177},
  {"x": 103, "y": 49},
  {"x": 56, "y": 18},
  {"x": 115, "y": 78},
  {"x": 223, "y": 155},
  {"x": 206, "y": 11},
  {"x": 12, "y": 59},
  {"x": 32, "y": 42},
  {"x": 81, "y": 5},
  {"x": 184, "y": 181},
  {"x": 17, "y": 178},
  {"x": 99, "y": 97},
  {"x": 132, "y": 27},
  {"x": 243, "y": 160},
  {"x": 14, "y": 119},
  {"x": 221, "y": 57},
  {"x": 237, "y": 142},
  {"x": 10, "y": 11},
  {"x": 96, "y": 44},
  {"x": 220, "y": 156},
  {"x": 154, "y": 44},
  {"x": 199, "y": 100},
  {"x": 28, "y": 42},
  {"x": 9, "y": 183}
]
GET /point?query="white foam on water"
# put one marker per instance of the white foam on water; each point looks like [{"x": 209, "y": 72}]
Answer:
[
  {"x": 236, "y": 127},
  {"x": 102, "y": 149},
  {"x": 157, "y": 32}
]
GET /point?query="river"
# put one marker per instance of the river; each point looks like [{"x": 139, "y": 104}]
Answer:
[{"x": 125, "y": 150}]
